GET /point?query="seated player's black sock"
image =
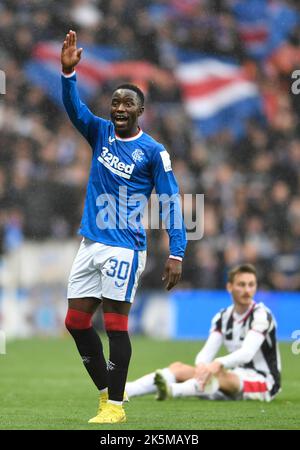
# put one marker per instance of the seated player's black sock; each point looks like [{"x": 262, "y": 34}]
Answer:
[
  {"x": 117, "y": 366},
  {"x": 91, "y": 350}
]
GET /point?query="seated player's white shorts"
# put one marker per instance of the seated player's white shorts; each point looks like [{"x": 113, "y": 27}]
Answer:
[
  {"x": 254, "y": 386},
  {"x": 101, "y": 270}
]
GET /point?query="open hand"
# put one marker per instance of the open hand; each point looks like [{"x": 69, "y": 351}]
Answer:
[{"x": 70, "y": 54}]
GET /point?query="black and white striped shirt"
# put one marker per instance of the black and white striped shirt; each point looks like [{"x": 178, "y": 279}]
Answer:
[{"x": 250, "y": 339}]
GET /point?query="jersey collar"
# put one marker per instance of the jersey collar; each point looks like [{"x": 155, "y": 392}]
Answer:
[
  {"x": 132, "y": 138},
  {"x": 241, "y": 318}
]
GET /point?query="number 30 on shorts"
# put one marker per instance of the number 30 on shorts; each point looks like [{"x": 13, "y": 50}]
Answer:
[{"x": 118, "y": 269}]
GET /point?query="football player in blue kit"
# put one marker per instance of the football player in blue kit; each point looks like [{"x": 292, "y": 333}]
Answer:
[{"x": 126, "y": 165}]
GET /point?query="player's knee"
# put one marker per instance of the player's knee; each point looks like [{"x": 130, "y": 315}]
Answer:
[
  {"x": 115, "y": 322},
  {"x": 78, "y": 320},
  {"x": 175, "y": 366}
]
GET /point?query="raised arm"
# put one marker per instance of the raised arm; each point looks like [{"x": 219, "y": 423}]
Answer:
[
  {"x": 70, "y": 54},
  {"x": 79, "y": 114}
]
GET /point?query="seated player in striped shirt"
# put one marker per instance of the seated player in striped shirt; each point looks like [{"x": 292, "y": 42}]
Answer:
[{"x": 250, "y": 370}]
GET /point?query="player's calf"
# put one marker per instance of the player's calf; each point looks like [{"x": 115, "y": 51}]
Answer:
[
  {"x": 116, "y": 326},
  {"x": 182, "y": 372},
  {"x": 89, "y": 345}
]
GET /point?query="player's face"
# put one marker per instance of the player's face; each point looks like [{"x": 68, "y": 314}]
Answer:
[
  {"x": 124, "y": 113},
  {"x": 243, "y": 288}
]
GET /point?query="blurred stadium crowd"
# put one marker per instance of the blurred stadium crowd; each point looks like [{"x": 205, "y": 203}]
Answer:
[{"x": 251, "y": 184}]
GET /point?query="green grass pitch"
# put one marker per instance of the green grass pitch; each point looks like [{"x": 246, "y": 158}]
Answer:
[{"x": 44, "y": 386}]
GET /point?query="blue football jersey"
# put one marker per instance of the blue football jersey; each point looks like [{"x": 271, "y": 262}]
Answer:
[{"x": 122, "y": 176}]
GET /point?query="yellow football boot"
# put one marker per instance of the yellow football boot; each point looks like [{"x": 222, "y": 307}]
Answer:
[
  {"x": 102, "y": 401},
  {"x": 110, "y": 414}
]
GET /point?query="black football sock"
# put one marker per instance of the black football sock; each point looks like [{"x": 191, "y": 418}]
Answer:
[
  {"x": 117, "y": 366},
  {"x": 91, "y": 350}
]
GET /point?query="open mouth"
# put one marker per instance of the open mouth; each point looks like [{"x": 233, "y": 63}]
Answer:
[{"x": 121, "y": 120}]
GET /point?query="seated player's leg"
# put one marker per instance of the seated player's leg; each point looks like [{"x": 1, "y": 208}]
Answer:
[
  {"x": 145, "y": 385},
  {"x": 181, "y": 372},
  {"x": 189, "y": 388},
  {"x": 141, "y": 386},
  {"x": 222, "y": 387},
  {"x": 162, "y": 386},
  {"x": 229, "y": 382},
  {"x": 176, "y": 372},
  {"x": 253, "y": 385}
]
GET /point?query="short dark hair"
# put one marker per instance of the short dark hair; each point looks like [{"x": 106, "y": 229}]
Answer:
[
  {"x": 134, "y": 88},
  {"x": 242, "y": 268}
]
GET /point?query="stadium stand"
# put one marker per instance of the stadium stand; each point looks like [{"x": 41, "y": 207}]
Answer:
[{"x": 250, "y": 179}]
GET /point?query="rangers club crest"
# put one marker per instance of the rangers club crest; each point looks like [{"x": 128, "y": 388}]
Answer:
[{"x": 137, "y": 155}]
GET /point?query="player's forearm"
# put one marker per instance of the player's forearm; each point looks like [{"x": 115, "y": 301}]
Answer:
[
  {"x": 237, "y": 358},
  {"x": 70, "y": 96},
  {"x": 246, "y": 353},
  {"x": 77, "y": 111},
  {"x": 210, "y": 348},
  {"x": 167, "y": 189},
  {"x": 178, "y": 242},
  {"x": 173, "y": 221}
]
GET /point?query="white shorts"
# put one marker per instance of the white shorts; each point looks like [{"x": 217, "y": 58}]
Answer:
[
  {"x": 101, "y": 270},
  {"x": 254, "y": 386}
]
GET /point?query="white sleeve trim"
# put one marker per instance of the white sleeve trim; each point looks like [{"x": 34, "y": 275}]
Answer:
[
  {"x": 176, "y": 257},
  {"x": 245, "y": 354},
  {"x": 69, "y": 75},
  {"x": 165, "y": 157},
  {"x": 210, "y": 348}
]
